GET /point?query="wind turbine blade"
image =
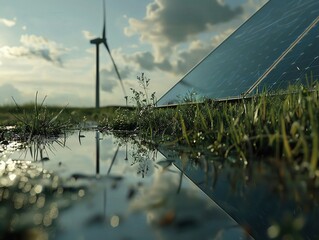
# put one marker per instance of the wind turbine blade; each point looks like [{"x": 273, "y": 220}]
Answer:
[
  {"x": 114, "y": 157},
  {"x": 115, "y": 67},
  {"x": 104, "y": 21}
]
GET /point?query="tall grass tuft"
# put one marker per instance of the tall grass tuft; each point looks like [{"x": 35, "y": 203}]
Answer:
[{"x": 40, "y": 122}]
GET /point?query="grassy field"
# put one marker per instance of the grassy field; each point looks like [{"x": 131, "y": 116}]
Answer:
[
  {"x": 274, "y": 136},
  {"x": 283, "y": 126},
  {"x": 11, "y": 115},
  {"x": 38, "y": 119}
]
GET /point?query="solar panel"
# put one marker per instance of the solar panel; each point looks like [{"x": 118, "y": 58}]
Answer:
[
  {"x": 276, "y": 47},
  {"x": 298, "y": 66}
]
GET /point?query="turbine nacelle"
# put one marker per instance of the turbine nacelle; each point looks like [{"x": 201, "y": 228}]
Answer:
[{"x": 97, "y": 41}]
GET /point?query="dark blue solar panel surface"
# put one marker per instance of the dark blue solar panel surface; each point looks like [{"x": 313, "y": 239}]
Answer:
[
  {"x": 300, "y": 66},
  {"x": 242, "y": 59}
]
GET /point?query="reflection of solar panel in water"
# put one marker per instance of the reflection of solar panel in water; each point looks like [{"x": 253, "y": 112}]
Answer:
[{"x": 274, "y": 48}]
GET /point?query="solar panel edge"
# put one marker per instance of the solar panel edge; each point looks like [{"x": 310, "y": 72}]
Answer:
[{"x": 212, "y": 51}]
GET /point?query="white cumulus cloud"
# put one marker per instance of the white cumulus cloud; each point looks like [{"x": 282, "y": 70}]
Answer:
[
  {"x": 174, "y": 30},
  {"x": 88, "y": 35},
  {"x": 8, "y": 22},
  {"x": 36, "y": 47},
  {"x": 7, "y": 92},
  {"x": 168, "y": 23}
]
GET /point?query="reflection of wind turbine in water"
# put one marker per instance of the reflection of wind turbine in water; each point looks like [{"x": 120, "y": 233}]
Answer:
[
  {"x": 97, "y": 142},
  {"x": 97, "y": 139},
  {"x": 126, "y": 158},
  {"x": 97, "y": 42},
  {"x": 97, "y": 146}
]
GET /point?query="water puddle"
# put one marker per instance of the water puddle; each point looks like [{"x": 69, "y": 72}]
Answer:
[
  {"x": 90, "y": 185},
  {"x": 273, "y": 199}
]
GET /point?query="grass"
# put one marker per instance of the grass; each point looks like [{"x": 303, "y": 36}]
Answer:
[
  {"x": 267, "y": 139},
  {"x": 283, "y": 126},
  {"x": 281, "y": 132},
  {"x": 10, "y": 114},
  {"x": 37, "y": 119}
]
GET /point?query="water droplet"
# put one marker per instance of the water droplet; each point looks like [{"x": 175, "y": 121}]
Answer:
[
  {"x": 54, "y": 211},
  {"x": 47, "y": 220},
  {"x": 38, "y": 189},
  {"x": 81, "y": 193},
  {"x": 41, "y": 202},
  {"x": 115, "y": 221},
  {"x": 273, "y": 231},
  {"x": 37, "y": 218}
]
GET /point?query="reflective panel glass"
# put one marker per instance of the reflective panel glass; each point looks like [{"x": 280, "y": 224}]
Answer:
[
  {"x": 300, "y": 66},
  {"x": 269, "y": 37}
]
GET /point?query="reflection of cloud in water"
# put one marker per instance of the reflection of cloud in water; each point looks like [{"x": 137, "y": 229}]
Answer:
[
  {"x": 173, "y": 212},
  {"x": 186, "y": 213},
  {"x": 107, "y": 147}
]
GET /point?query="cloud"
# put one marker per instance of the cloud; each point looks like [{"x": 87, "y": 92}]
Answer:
[
  {"x": 8, "y": 22},
  {"x": 168, "y": 23},
  {"x": 36, "y": 47},
  {"x": 175, "y": 30},
  {"x": 108, "y": 82},
  {"x": 188, "y": 58},
  {"x": 7, "y": 91},
  {"x": 88, "y": 35},
  {"x": 145, "y": 60},
  {"x": 109, "y": 79},
  {"x": 183, "y": 60},
  {"x": 196, "y": 51},
  {"x": 254, "y": 5}
]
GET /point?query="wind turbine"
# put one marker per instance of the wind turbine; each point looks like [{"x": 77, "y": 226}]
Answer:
[{"x": 97, "y": 42}]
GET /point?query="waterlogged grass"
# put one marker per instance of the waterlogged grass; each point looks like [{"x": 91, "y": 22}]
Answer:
[
  {"x": 268, "y": 141},
  {"x": 283, "y": 127},
  {"x": 10, "y": 114},
  {"x": 275, "y": 137},
  {"x": 40, "y": 120}
]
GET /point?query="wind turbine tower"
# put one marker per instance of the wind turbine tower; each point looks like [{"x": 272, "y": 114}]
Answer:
[{"x": 97, "y": 42}]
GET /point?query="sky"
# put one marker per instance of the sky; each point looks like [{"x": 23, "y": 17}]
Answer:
[{"x": 45, "y": 45}]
